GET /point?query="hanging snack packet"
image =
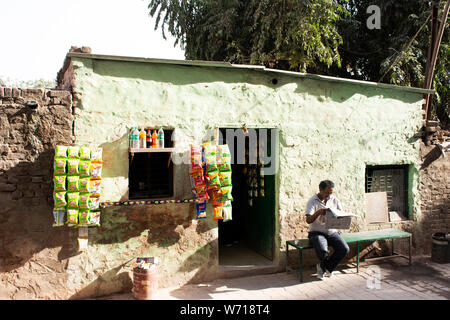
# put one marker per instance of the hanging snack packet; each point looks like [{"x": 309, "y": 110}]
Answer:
[
  {"x": 83, "y": 203},
  {"x": 94, "y": 187},
  {"x": 210, "y": 157},
  {"x": 72, "y": 217},
  {"x": 73, "y": 152},
  {"x": 202, "y": 196},
  {"x": 227, "y": 210},
  {"x": 94, "y": 218},
  {"x": 225, "y": 155},
  {"x": 73, "y": 199},
  {"x": 61, "y": 152},
  {"x": 72, "y": 183},
  {"x": 213, "y": 179},
  {"x": 60, "y": 199},
  {"x": 83, "y": 217},
  {"x": 94, "y": 203},
  {"x": 197, "y": 180},
  {"x": 83, "y": 185},
  {"x": 60, "y": 183},
  {"x": 217, "y": 199},
  {"x": 85, "y": 153},
  {"x": 226, "y": 193},
  {"x": 225, "y": 178},
  {"x": 196, "y": 159},
  {"x": 60, "y": 166},
  {"x": 218, "y": 213},
  {"x": 84, "y": 168},
  {"x": 96, "y": 170},
  {"x": 73, "y": 166},
  {"x": 96, "y": 154},
  {"x": 201, "y": 210},
  {"x": 59, "y": 216}
]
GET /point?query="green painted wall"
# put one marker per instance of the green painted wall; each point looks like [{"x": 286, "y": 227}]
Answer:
[{"x": 328, "y": 130}]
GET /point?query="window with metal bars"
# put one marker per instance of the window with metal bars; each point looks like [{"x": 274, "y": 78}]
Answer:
[
  {"x": 393, "y": 179},
  {"x": 150, "y": 174}
]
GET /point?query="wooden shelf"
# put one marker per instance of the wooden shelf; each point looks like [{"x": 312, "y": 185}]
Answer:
[{"x": 148, "y": 150}]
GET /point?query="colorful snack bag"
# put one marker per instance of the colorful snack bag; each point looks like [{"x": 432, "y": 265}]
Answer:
[
  {"x": 60, "y": 183},
  {"x": 197, "y": 180},
  {"x": 72, "y": 217},
  {"x": 72, "y": 183},
  {"x": 59, "y": 216},
  {"x": 227, "y": 210},
  {"x": 84, "y": 168},
  {"x": 96, "y": 170},
  {"x": 61, "y": 152},
  {"x": 196, "y": 159},
  {"x": 96, "y": 154},
  {"x": 226, "y": 193},
  {"x": 83, "y": 216},
  {"x": 73, "y": 199},
  {"x": 83, "y": 185},
  {"x": 201, "y": 210},
  {"x": 94, "y": 187},
  {"x": 225, "y": 178},
  {"x": 73, "y": 166},
  {"x": 73, "y": 152},
  {"x": 217, "y": 199},
  {"x": 60, "y": 166},
  {"x": 210, "y": 157},
  {"x": 213, "y": 179},
  {"x": 94, "y": 218},
  {"x": 225, "y": 155},
  {"x": 83, "y": 203},
  {"x": 85, "y": 153},
  {"x": 60, "y": 199},
  {"x": 218, "y": 213},
  {"x": 94, "y": 203}
]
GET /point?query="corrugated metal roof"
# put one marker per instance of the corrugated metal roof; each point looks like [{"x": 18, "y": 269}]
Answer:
[{"x": 222, "y": 64}]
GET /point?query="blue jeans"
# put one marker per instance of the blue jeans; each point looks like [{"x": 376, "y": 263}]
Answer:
[{"x": 320, "y": 242}]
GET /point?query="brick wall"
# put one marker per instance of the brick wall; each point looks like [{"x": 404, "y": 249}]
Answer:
[
  {"x": 434, "y": 190},
  {"x": 32, "y": 123}
]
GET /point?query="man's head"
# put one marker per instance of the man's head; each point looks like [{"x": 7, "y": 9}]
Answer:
[{"x": 326, "y": 189}]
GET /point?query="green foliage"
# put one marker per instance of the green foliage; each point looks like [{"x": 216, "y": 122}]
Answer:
[{"x": 37, "y": 83}]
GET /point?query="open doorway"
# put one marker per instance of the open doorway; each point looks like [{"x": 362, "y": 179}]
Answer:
[{"x": 248, "y": 239}]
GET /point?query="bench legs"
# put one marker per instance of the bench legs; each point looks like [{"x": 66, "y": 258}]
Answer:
[
  {"x": 300, "y": 257},
  {"x": 357, "y": 257}
]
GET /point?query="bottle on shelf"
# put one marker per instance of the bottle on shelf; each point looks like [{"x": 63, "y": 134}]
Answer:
[
  {"x": 142, "y": 139},
  {"x": 149, "y": 138},
  {"x": 134, "y": 137},
  {"x": 161, "y": 138},
  {"x": 154, "y": 139}
]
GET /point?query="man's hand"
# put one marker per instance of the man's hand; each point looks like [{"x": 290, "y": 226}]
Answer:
[{"x": 313, "y": 217}]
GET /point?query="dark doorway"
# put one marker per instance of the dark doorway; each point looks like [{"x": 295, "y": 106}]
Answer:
[{"x": 248, "y": 239}]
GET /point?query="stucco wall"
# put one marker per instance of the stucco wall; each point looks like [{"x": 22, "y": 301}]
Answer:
[{"x": 327, "y": 129}]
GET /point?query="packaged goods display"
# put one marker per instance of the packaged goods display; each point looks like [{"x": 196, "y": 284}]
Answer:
[{"x": 77, "y": 185}]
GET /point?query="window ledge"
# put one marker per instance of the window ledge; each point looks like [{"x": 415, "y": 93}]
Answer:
[{"x": 147, "y": 150}]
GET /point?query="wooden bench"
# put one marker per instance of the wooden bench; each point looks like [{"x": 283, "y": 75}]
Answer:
[{"x": 358, "y": 237}]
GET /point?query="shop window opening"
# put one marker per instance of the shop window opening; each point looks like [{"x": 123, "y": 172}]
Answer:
[{"x": 151, "y": 175}]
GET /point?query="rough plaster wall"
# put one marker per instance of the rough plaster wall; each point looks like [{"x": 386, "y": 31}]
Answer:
[{"x": 327, "y": 129}]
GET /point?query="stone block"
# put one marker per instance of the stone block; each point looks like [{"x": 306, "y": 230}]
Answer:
[
  {"x": 16, "y": 195},
  {"x": 7, "y": 92},
  {"x": 6, "y": 187},
  {"x": 15, "y": 93},
  {"x": 2, "y": 92},
  {"x": 37, "y": 179},
  {"x": 58, "y": 93},
  {"x": 28, "y": 194}
]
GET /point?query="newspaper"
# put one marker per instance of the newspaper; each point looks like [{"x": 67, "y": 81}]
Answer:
[{"x": 338, "y": 219}]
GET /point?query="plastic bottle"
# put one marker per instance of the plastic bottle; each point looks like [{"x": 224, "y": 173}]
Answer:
[
  {"x": 142, "y": 139},
  {"x": 161, "y": 138},
  {"x": 149, "y": 138},
  {"x": 134, "y": 138},
  {"x": 154, "y": 139}
]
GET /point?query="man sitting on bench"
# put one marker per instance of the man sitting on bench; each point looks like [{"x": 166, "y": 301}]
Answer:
[{"x": 319, "y": 236}]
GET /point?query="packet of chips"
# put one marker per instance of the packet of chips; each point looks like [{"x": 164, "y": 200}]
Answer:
[
  {"x": 72, "y": 183},
  {"x": 201, "y": 210},
  {"x": 73, "y": 166},
  {"x": 94, "y": 218},
  {"x": 210, "y": 157},
  {"x": 59, "y": 216},
  {"x": 94, "y": 187},
  {"x": 225, "y": 178},
  {"x": 218, "y": 213},
  {"x": 217, "y": 199},
  {"x": 196, "y": 159},
  {"x": 213, "y": 179},
  {"x": 225, "y": 156},
  {"x": 227, "y": 211},
  {"x": 60, "y": 166},
  {"x": 73, "y": 199},
  {"x": 73, "y": 152},
  {"x": 226, "y": 193},
  {"x": 60, "y": 183},
  {"x": 94, "y": 203},
  {"x": 83, "y": 185},
  {"x": 83, "y": 203},
  {"x": 85, "y": 153},
  {"x": 96, "y": 170},
  {"x": 60, "y": 199},
  {"x": 61, "y": 152},
  {"x": 72, "y": 217},
  {"x": 83, "y": 216},
  {"x": 84, "y": 168},
  {"x": 96, "y": 154},
  {"x": 197, "y": 180}
]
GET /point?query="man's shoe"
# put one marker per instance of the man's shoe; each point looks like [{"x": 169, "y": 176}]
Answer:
[
  {"x": 319, "y": 271},
  {"x": 328, "y": 273}
]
